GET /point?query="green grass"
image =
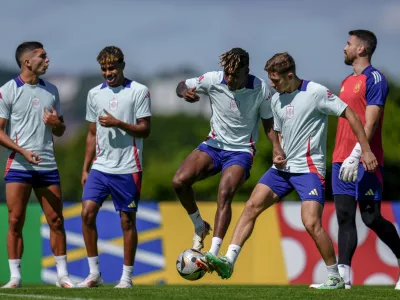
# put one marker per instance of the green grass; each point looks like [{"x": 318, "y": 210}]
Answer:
[{"x": 219, "y": 292}]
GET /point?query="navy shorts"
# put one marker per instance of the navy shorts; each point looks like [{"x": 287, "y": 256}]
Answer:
[
  {"x": 124, "y": 189},
  {"x": 308, "y": 185},
  {"x": 38, "y": 179},
  {"x": 368, "y": 186},
  {"x": 223, "y": 159}
]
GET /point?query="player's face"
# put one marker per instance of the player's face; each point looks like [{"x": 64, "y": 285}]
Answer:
[
  {"x": 113, "y": 73},
  {"x": 38, "y": 61},
  {"x": 280, "y": 82},
  {"x": 236, "y": 80},
  {"x": 351, "y": 50}
]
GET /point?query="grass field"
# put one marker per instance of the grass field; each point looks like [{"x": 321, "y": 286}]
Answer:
[{"x": 219, "y": 292}]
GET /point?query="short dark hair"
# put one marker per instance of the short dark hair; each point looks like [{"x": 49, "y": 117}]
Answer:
[
  {"x": 234, "y": 59},
  {"x": 281, "y": 63},
  {"x": 110, "y": 55},
  {"x": 368, "y": 38},
  {"x": 25, "y": 47}
]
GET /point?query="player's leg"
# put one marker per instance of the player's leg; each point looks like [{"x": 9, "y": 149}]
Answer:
[
  {"x": 200, "y": 164},
  {"x": 235, "y": 170},
  {"x": 95, "y": 192},
  {"x": 125, "y": 190},
  {"x": 311, "y": 189},
  {"x": 346, "y": 206},
  {"x": 46, "y": 185},
  {"x": 369, "y": 195},
  {"x": 18, "y": 190},
  {"x": 271, "y": 187}
]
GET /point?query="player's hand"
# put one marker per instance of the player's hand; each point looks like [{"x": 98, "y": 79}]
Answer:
[
  {"x": 51, "y": 117},
  {"x": 349, "y": 169},
  {"x": 279, "y": 158},
  {"x": 31, "y": 157},
  {"x": 84, "y": 177},
  {"x": 108, "y": 120},
  {"x": 369, "y": 161},
  {"x": 190, "y": 96}
]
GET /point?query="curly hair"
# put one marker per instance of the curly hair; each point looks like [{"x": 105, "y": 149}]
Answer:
[
  {"x": 110, "y": 55},
  {"x": 234, "y": 59}
]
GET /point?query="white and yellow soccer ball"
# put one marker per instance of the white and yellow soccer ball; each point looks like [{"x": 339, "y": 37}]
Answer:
[{"x": 187, "y": 267}]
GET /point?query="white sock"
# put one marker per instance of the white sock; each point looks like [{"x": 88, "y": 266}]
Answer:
[
  {"x": 233, "y": 252},
  {"x": 333, "y": 270},
  {"x": 15, "y": 268},
  {"x": 61, "y": 264},
  {"x": 127, "y": 273},
  {"x": 344, "y": 271},
  {"x": 197, "y": 220},
  {"x": 94, "y": 267},
  {"x": 215, "y": 245}
]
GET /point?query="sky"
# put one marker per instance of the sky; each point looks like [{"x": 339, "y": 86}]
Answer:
[{"x": 164, "y": 35}]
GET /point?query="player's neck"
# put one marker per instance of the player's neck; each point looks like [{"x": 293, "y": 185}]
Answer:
[
  {"x": 360, "y": 65},
  {"x": 294, "y": 85},
  {"x": 29, "y": 78}
]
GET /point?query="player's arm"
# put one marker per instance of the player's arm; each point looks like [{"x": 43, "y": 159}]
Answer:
[
  {"x": 369, "y": 159},
  {"x": 89, "y": 151},
  {"x": 8, "y": 143},
  {"x": 191, "y": 88},
  {"x": 278, "y": 156},
  {"x": 372, "y": 116},
  {"x": 139, "y": 130},
  {"x": 59, "y": 127}
]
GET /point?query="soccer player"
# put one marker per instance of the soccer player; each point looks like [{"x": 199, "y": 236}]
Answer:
[
  {"x": 119, "y": 113},
  {"x": 365, "y": 91},
  {"x": 300, "y": 110},
  {"x": 30, "y": 114},
  {"x": 238, "y": 101}
]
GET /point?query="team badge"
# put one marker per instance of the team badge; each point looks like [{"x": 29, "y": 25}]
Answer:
[
  {"x": 36, "y": 103},
  {"x": 342, "y": 89},
  {"x": 289, "y": 111},
  {"x": 234, "y": 105},
  {"x": 113, "y": 104},
  {"x": 357, "y": 86}
]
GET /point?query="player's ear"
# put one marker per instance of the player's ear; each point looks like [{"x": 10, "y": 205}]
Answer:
[
  {"x": 290, "y": 76},
  {"x": 123, "y": 66},
  {"x": 361, "y": 50}
]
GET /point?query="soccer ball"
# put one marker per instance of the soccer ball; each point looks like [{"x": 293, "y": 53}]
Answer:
[{"x": 186, "y": 265}]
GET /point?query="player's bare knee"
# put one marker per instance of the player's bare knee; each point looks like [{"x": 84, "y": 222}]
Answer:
[
  {"x": 56, "y": 224},
  {"x": 313, "y": 226},
  {"x": 180, "y": 181},
  {"x": 127, "y": 224},
  {"x": 15, "y": 224},
  {"x": 88, "y": 216},
  {"x": 253, "y": 209},
  {"x": 225, "y": 195}
]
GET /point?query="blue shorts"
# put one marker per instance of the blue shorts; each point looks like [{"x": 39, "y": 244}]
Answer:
[
  {"x": 124, "y": 189},
  {"x": 38, "y": 179},
  {"x": 223, "y": 159},
  {"x": 368, "y": 186},
  {"x": 308, "y": 185}
]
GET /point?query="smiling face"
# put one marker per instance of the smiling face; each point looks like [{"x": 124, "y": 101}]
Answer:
[{"x": 113, "y": 73}]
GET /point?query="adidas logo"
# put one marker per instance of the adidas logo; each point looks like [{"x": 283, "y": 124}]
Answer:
[
  {"x": 132, "y": 205},
  {"x": 313, "y": 192},
  {"x": 370, "y": 193}
]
